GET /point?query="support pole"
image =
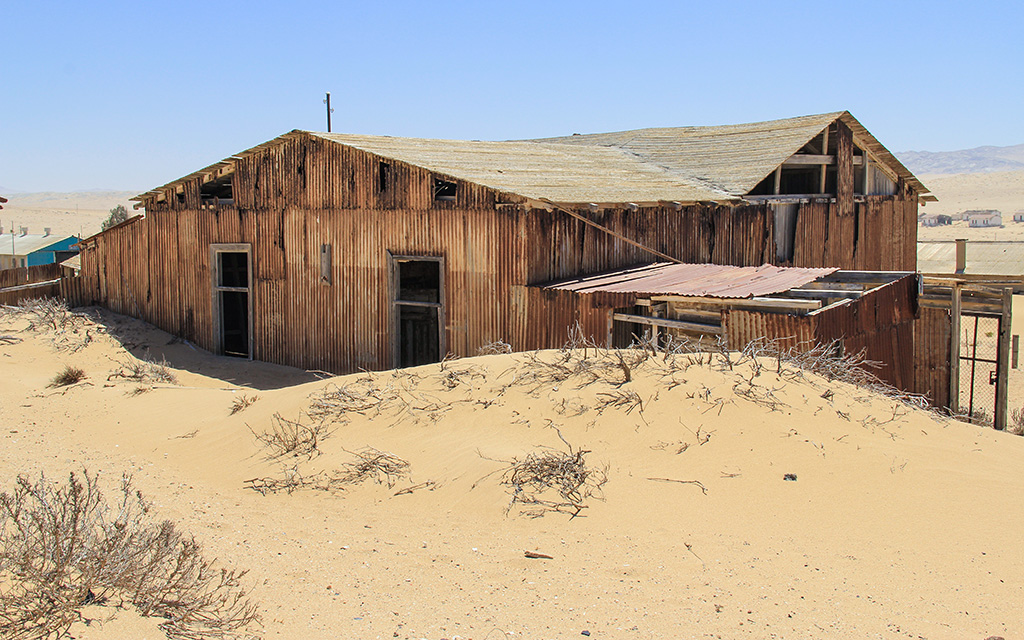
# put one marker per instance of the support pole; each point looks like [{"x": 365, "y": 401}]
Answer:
[
  {"x": 954, "y": 350},
  {"x": 1003, "y": 359},
  {"x": 329, "y": 110}
]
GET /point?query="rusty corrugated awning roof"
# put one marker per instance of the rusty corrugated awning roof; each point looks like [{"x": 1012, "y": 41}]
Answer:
[{"x": 696, "y": 280}]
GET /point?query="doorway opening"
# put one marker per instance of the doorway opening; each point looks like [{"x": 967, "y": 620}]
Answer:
[
  {"x": 418, "y": 316},
  {"x": 232, "y": 299}
]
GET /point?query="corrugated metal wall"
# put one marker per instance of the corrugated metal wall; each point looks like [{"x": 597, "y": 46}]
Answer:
[
  {"x": 881, "y": 235},
  {"x": 881, "y": 325},
  {"x": 791, "y": 332}
]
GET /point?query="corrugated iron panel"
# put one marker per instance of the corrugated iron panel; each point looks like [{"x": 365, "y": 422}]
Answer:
[
  {"x": 879, "y": 324},
  {"x": 711, "y": 280},
  {"x": 789, "y": 332}
]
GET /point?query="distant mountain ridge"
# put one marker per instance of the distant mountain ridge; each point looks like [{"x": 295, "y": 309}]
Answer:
[{"x": 978, "y": 160}]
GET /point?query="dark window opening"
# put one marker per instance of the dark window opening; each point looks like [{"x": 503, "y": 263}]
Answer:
[
  {"x": 217, "y": 191},
  {"x": 234, "y": 269},
  {"x": 444, "y": 190},
  {"x": 383, "y": 177},
  {"x": 800, "y": 180},
  {"x": 419, "y": 281},
  {"x": 181, "y": 197}
]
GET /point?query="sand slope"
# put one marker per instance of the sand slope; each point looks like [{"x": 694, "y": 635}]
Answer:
[{"x": 898, "y": 524}]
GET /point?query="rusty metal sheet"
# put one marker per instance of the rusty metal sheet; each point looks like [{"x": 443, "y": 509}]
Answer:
[{"x": 708, "y": 280}]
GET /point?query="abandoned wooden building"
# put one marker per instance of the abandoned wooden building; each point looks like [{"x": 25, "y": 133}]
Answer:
[{"x": 339, "y": 252}]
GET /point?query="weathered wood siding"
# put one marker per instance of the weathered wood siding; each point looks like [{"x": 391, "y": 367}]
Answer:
[
  {"x": 293, "y": 197},
  {"x": 290, "y": 200},
  {"x": 932, "y": 355},
  {"x": 880, "y": 235}
]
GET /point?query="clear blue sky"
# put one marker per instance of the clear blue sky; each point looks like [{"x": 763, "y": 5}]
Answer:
[{"x": 130, "y": 95}]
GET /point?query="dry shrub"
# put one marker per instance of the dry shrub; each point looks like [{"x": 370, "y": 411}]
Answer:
[
  {"x": 498, "y": 347},
  {"x": 370, "y": 463},
  {"x": 293, "y": 437},
  {"x": 68, "y": 330},
  {"x": 68, "y": 376},
  {"x": 381, "y": 466},
  {"x": 63, "y": 547},
  {"x": 242, "y": 403},
  {"x": 145, "y": 371},
  {"x": 1017, "y": 422},
  {"x": 552, "y": 480},
  {"x": 360, "y": 397}
]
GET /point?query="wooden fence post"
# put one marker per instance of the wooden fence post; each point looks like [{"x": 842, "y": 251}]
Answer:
[
  {"x": 1003, "y": 359},
  {"x": 954, "y": 350}
]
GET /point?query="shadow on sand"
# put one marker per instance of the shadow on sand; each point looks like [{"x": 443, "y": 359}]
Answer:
[{"x": 145, "y": 341}]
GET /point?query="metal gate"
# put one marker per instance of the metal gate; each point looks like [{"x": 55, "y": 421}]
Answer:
[{"x": 979, "y": 368}]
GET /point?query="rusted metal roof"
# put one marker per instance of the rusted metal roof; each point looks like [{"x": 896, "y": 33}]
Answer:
[{"x": 694, "y": 280}]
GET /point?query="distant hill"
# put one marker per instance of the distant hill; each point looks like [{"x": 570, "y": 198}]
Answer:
[{"x": 977, "y": 160}]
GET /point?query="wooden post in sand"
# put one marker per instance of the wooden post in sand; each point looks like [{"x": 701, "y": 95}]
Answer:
[
  {"x": 1003, "y": 359},
  {"x": 954, "y": 350}
]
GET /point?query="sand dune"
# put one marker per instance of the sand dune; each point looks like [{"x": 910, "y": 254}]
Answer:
[{"x": 899, "y": 524}]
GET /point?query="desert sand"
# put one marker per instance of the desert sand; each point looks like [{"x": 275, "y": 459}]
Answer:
[
  {"x": 73, "y": 213},
  {"x": 899, "y": 524}
]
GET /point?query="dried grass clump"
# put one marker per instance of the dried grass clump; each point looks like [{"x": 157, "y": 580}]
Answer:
[
  {"x": 498, "y": 347},
  {"x": 370, "y": 463},
  {"x": 242, "y": 403},
  {"x": 1017, "y": 422},
  {"x": 63, "y": 547},
  {"x": 293, "y": 437},
  {"x": 68, "y": 376},
  {"x": 362, "y": 396},
  {"x": 68, "y": 331},
  {"x": 552, "y": 480},
  {"x": 145, "y": 371},
  {"x": 380, "y": 466}
]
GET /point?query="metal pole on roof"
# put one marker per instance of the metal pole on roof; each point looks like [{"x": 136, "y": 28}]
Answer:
[{"x": 329, "y": 110}]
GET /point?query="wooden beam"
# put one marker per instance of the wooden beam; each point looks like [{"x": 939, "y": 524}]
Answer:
[
  {"x": 834, "y": 286},
  {"x": 844, "y": 170},
  {"x": 629, "y": 241},
  {"x": 807, "y": 158},
  {"x": 772, "y": 304},
  {"x": 954, "y": 350},
  {"x": 682, "y": 312},
  {"x": 799, "y": 159},
  {"x": 818, "y": 294},
  {"x": 942, "y": 302},
  {"x": 824, "y": 167},
  {"x": 1003, "y": 360},
  {"x": 867, "y": 276},
  {"x": 668, "y": 323},
  {"x": 778, "y": 179}
]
